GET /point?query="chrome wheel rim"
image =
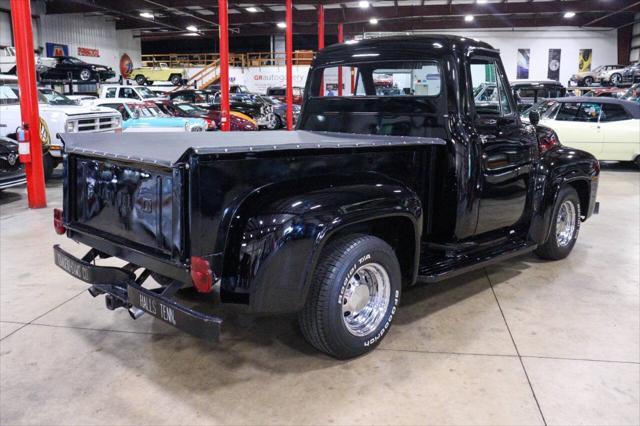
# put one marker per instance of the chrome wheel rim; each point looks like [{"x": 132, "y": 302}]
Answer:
[
  {"x": 85, "y": 75},
  {"x": 365, "y": 299},
  {"x": 616, "y": 78},
  {"x": 565, "y": 223}
]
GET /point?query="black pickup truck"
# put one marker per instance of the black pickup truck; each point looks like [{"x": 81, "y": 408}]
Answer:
[{"x": 371, "y": 193}]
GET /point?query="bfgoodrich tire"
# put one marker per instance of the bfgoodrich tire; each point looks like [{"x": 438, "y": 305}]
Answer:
[
  {"x": 565, "y": 226},
  {"x": 353, "y": 297}
]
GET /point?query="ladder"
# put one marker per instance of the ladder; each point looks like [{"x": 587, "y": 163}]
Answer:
[{"x": 207, "y": 76}]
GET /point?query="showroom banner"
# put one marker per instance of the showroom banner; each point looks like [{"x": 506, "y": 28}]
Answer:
[
  {"x": 553, "y": 73},
  {"x": 523, "y": 63},
  {"x": 584, "y": 60}
]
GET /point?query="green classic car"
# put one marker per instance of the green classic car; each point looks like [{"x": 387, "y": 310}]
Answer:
[{"x": 158, "y": 72}]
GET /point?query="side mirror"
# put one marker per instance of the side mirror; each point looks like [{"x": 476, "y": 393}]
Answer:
[{"x": 534, "y": 117}]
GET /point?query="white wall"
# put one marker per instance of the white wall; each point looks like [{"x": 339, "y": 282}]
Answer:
[
  {"x": 76, "y": 30},
  {"x": 570, "y": 40}
]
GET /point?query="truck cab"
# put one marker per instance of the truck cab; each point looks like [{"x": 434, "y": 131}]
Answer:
[{"x": 403, "y": 179}]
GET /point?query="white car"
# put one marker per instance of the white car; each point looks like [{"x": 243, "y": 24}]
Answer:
[
  {"x": 58, "y": 114},
  {"x": 611, "y": 76},
  {"x": 123, "y": 93},
  {"x": 8, "y": 61},
  {"x": 608, "y": 128}
]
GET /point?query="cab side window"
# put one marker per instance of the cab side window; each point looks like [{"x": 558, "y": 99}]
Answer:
[
  {"x": 612, "y": 112},
  {"x": 127, "y": 92},
  {"x": 490, "y": 94},
  {"x": 111, "y": 92}
]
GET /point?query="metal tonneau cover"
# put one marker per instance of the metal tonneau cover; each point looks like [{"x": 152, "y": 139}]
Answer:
[{"x": 167, "y": 149}]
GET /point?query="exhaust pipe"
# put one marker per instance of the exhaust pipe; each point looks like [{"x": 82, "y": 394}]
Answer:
[
  {"x": 94, "y": 292},
  {"x": 135, "y": 313}
]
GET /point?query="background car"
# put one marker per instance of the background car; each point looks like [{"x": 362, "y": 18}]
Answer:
[
  {"x": 281, "y": 94},
  {"x": 11, "y": 170},
  {"x": 632, "y": 94},
  {"x": 528, "y": 92},
  {"x": 8, "y": 61},
  {"x": 605, "y": 92},
  {"x": 280, "y": 111},
  {"x": 587, "y": 78},
  {"x": 124, "y": 93},
  {"x": 140, "y": 116},
  {"x": 631, "y": 74},
  {"x": 238, "y": 120},
  {"x": 611, "y": 76},
  {"x": 66, "y": 66},
  {"x": 605, "y": 127},
  {"x": 158, "y": 72}
]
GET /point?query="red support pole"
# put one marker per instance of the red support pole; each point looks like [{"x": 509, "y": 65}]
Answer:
[
  {"x": 289, "y": 54},
  {"x": 25, "y": 63},
  {"x": 340, "y": 40},
  {"x": 320, "y": 27},
  {"x": 223, "y": 21}
]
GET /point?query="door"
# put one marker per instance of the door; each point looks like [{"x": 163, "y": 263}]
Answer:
[
  {"x": 620, "y": 134},
  {"x": 576, "y": 124},
  {"x": 505, "y": 148}
]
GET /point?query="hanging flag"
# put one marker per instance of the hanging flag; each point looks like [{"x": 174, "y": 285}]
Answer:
[
  {"x": 584, "y": 60},
  {"x": 523, "y": 63},
  {"x": 553, "y": 73}
]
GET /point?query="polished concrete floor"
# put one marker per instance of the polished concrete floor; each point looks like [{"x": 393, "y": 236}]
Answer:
[{"x": 525, "y": 342}]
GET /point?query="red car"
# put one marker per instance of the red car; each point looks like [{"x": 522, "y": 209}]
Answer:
[{"x": 239, "y": 121}]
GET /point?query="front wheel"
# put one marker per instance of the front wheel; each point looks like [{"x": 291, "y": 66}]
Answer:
[
  {"x": 588, "y": 81},
  {"x": 616, "y": 79},
  {"x": 353, "y": 298},
  {"x": 564, "y": 228}
]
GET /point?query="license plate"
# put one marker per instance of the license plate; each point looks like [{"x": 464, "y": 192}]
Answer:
[{"x": 179, "y": 316}]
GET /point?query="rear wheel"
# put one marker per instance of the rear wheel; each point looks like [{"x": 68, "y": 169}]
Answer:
[
  {"x": 564, "y": 228},
  {"x": 353, "y": 297},
  {"x": 85, "y": 74},
  {"x": 140, "y": 79},
  {"x": 176, "y": 79}
]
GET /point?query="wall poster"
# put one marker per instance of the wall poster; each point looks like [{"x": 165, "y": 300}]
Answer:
[
  {"x": 553, "y": 72},
  {"x": 523, "y": 63},
  {"x": 584, "y": 60},
  {"x": 56, "y": 49}
]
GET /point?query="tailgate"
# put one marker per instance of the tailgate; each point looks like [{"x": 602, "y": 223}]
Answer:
[{"x": 136, "y": 204}]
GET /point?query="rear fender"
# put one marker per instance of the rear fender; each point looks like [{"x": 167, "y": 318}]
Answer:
[
  {"x": 271, "y": 255},
  {"x": 557, "y": 168}
]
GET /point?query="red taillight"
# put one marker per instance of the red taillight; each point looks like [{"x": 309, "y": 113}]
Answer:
[
  {"x": 547, "y": 141},
  {"x": 210, "y": 123},
  {"x": 58, "y": 224},
  {"x": 201, "y": 274}
]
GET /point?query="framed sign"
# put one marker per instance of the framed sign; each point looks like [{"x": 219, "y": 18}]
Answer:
[
  {"x": 553, "y": 71},
  {"x": 55, "y": 49},
  {"x": 523, "y": 63},
  {"x": 584, "y": 60},
  {"x": 84, "y": 51}
]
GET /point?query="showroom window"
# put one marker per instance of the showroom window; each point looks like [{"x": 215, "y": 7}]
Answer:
[{"x": 489, "y": 88}]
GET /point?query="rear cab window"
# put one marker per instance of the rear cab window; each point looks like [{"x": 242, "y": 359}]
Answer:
[{"x": 613, "y": 112}]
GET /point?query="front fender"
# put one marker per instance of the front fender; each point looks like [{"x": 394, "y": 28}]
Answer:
[
  {"x": 556, "y": 168},
  {"x": 272, "y": 255}
]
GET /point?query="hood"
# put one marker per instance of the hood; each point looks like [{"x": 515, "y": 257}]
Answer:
[
  {"x": 72, "y": 110},
  {"x": 8, "y": 146}
]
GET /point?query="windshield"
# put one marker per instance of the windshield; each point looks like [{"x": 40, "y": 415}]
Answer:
[
  {"x": 191, "y": 109},
  {"x": 145, "y": 92},
  {"x": 72, "y": 60},
  {"x": 54, "y": 98},
  {"x": 598, "y": 69},
  {"x": 144, "y": 111},
  {"x": 9, "y": 95},
  {"x": 544, "y": 108}
]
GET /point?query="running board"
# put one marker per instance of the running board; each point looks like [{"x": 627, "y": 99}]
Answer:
[{"x": 436, "y": 268}]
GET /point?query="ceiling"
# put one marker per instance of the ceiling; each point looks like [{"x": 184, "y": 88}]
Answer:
[{"x": 171, "y": 17}]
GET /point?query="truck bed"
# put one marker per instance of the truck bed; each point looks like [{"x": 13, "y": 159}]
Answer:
[{"x": 167, "y": 149}]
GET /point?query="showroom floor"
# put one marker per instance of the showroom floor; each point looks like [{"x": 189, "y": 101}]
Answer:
[{"x": 522, "y": 343}]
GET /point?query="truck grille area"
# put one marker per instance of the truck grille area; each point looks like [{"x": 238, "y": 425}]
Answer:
[
  {"x": 95, "y": 124},
  {"x": 128, "y": 203}
]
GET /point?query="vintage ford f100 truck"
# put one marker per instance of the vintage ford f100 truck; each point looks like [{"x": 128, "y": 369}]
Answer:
[{"x": 406, "y": 178}]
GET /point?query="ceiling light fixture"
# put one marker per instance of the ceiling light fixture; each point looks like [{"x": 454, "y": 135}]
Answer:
[
  {"x": 281, "y": 25},
  {"x": 569, "y": 15},
  {"x": 251, "y": 9},
  {"x": 192, "y": 28},
  {"x": 146, "y": 15},
  {"x": 373, "y": 21},
  {"x": 363, "y": 4},
  {"x": 482, "y": 1},
  {"x": 469, "y": 18}
]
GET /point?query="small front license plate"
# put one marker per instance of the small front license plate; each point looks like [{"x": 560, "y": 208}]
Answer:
[{"x": 179, "y": 316}]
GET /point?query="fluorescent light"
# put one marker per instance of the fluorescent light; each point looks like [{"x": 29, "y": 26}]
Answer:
[
  {"x": 282, "y": 25},
  {"x": 192, "y": 34},
  {"x": 363, "y": 4},
  {"x": 373, "y": 21},
  {"x": 251, "y": 9},
  {"x": 192, "y": 28},
  {"x": 482, "y": 1},
  {"x": 365, "y": 55},
  {"x": 569, "y": 15},
  {"x": 468, "y": 18},
  {"x": 146, "y": 15}
]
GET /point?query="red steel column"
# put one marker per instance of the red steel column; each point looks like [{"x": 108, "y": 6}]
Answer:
[
  {"x": 25, "y": 63},
  {"x": 223, "y": 21},
  {"x": 289, "y": 54},
  {"x": 321, "y": 40},
  {"x": 340, "y": 40}
]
